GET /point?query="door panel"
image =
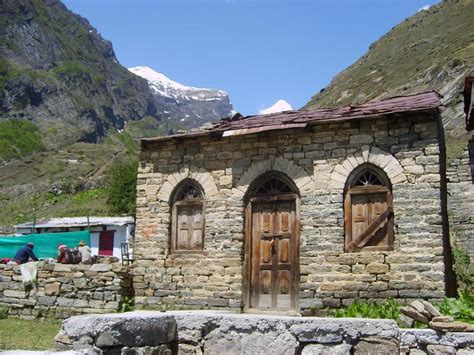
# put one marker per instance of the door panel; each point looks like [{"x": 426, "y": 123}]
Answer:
[
  {"x": 106, "y": 243},
  {"x": 378, "y": 205},
  {"x": 189, "y": 224},
  {"x": 274, "y": 265},
  {"x": 365, "y": 209}
]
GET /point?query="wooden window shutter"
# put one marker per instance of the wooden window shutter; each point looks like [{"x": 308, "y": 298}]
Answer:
[
  {"x": 368, "y": 212},
  {"x": 187, "y": 220}
]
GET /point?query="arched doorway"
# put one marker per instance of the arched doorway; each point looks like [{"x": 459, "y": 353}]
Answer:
[{"x": 272, "y": 244}]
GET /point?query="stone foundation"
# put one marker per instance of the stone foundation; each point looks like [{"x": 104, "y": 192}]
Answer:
[
  {"x": 198, "y": 332},
  {"x": 65, "y": 290}
]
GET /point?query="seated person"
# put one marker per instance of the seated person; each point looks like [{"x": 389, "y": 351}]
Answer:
[
  {"x": 62, "y": 254},
  {"x": 85, "y": 252},
  {"x": 25, "y": 253}
]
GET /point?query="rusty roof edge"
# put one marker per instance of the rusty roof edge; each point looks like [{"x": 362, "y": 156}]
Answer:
[{"x": 220, "y": 131}]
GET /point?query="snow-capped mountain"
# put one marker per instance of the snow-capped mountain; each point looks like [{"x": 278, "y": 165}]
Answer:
[
  {"x": 190, "y": 106},
  {"x": 279, "y": 106}
]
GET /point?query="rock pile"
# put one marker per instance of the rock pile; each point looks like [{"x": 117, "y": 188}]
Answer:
[{"x": 424, "y": 312}]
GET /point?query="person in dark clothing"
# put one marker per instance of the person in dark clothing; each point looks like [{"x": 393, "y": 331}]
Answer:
[{"x": 25, "y": 253}]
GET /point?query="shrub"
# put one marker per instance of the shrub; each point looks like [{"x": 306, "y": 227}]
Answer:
[
  {"x": 463, "y": 268},
  {"x": 121, "y": 192},
  {"x": 385, "y": 310},
  {"x": 127, "y": 304},
  {"x": 461, "y": 308},
  {"x": 3, "y": 313}
]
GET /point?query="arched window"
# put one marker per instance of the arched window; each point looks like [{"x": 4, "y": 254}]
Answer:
[
  {"x": 368, "y": 213},
  {"x": 187, "y": 218}
]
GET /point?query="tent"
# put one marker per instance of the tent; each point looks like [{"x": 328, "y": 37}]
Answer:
[{"x": 46, "y": 244}]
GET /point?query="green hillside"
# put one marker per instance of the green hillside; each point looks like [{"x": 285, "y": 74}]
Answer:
[{"x": 432, "y": 50}]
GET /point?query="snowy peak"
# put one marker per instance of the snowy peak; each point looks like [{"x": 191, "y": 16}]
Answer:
[
  {"x": 164, "y": 86},
  {"x": 153, "y": 76},
  {"x": 183, "y": 107},
  {"x": 279, "y": 106}
]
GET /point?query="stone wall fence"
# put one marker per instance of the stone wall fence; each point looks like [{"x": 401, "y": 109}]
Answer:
[
  {"x": 211, "y": 332},
  {"x": 65, "y": 290}
]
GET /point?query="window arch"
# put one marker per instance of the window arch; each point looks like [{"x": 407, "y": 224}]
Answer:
[
  {"x": 187, "y": 217},
  {"x": 270, "y": 184},
  {"x": 368, "y": 210}
]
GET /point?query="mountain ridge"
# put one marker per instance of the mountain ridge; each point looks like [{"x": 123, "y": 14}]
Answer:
[
  {"x": 192, "y": 106},
  {"x": 431, "y": 50}
]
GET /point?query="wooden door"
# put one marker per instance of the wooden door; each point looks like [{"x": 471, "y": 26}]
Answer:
[
  {"x": 274, "y": 282},
  {"x": 106, "y": 243}
]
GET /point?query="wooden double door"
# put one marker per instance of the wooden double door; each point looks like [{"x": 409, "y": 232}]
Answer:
[{"x": 274, "y": 255}]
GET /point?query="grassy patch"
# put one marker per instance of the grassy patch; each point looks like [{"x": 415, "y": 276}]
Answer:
[
  {"x": 385, "y": 310},
  {"x": 418, "y": 54},
  {"x": 455, "y": 148},
  {"x": 460, "y": 308},
  {"x": 18, "y": 138},
  {"x": 28, "y": 334}
]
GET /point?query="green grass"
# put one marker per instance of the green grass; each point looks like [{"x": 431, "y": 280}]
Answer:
[
  {"x": 455, "y": 148},
  {"x": 28, "y": 334},
  {"x": 18, "y": 138}
]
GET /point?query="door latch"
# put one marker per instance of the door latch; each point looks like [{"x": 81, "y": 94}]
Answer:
[{"x": 272, "y": 245}]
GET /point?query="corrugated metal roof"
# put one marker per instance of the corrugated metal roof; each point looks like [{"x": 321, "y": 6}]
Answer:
[
  {"x": 301, "y": 118},
  {"x": 78, "y": 222}
]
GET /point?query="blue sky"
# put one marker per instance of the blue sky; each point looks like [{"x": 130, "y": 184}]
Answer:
[{"x": 258, "y": 51}]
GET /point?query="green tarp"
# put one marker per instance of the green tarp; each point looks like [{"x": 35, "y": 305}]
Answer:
[{"x": 46, "y": 244}]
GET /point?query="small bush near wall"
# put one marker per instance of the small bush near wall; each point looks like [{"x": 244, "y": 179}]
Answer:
[{"x": 385, "y": 310}]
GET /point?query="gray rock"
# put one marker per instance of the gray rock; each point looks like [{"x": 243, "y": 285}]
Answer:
[
  {"x": 405, "y": 321},
  {"x": 413, "y": 313},
  {"x": 443, "y": 319},
  {"x": 377, "y": 345},
  {"x": 430, "y": 308},
  {"x": 417, "y": 352},
  {"x": 421, "y": 337},
  {"x": 419, "y": 306},
  {"x": 452, "y": 326},
  {"x": 101, "y": 267},
  {"x": 440, "y": 350},
  {"x": 318, "y": 349}
]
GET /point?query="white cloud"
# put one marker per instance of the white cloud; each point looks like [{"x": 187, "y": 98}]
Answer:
[{"x": 424, "y": 8}]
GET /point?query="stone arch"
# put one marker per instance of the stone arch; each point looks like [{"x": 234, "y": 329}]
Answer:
[
  {"x": 200, "y": 175},
  {"x": 378, "y": 157},
  {"x": 299, "y": 176}
]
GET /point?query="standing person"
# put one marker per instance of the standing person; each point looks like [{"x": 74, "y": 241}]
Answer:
[
  {"x": 25, "y": 253},
  {"x": 85, "y": 252}
]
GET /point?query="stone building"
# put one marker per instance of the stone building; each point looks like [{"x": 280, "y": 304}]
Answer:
[{"x": 296, "y": 210}]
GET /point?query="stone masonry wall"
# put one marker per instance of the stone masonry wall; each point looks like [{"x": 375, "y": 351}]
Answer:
[
  {"x": 191, "y": 332},
  {"x": 319, "y": 161},
  {"x": 460, "y": 175},
  {"x": 65, "y": 290}
]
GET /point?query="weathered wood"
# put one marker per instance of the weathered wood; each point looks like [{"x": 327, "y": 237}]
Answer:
[
  {"x": 363, "y": 238},
  {"x": 274, "y": 276}
]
